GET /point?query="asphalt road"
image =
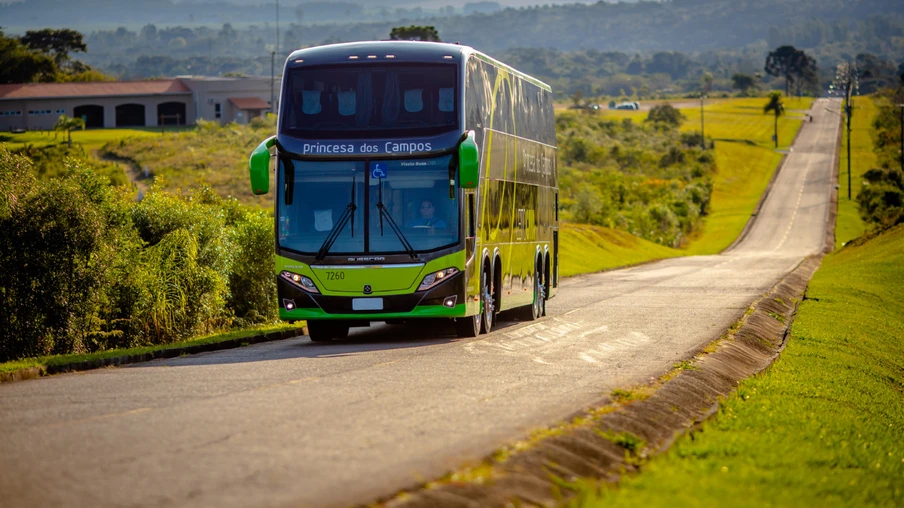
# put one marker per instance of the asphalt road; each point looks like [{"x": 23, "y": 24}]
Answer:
[{"x": 292, "y": 423}]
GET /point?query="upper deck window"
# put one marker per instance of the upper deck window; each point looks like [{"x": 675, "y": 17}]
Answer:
[{"x": 370, "y": 100}]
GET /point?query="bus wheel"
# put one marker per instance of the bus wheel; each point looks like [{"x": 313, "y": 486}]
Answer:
[
  {"x": 487, "y": 302},
  {"x": 537, "y": 308},
  {"x": 468, "y": 327},
  {"x": 323, "y": 331}
]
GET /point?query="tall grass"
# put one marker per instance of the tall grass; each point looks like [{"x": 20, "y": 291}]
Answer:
[
  {"x": 210, "y": 155},
  {"x": 88, "y": 268}
]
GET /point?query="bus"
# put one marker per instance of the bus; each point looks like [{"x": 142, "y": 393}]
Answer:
[{"x": 413, "y": 180}]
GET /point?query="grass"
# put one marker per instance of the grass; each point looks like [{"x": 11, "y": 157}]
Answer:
[
  {"x": 46, "y": 361},
  {"x": 823, "y": 426},
  {"x": 849, "y": 225},
  {"x": 587, "y": 249},
  {"x": 91, "y": 139},
  {"x": 209, "y": 155},
  {"x": 745, "y": 156}
]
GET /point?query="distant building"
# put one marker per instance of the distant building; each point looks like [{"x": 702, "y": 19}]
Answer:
[{"x": 179, "y": 101}]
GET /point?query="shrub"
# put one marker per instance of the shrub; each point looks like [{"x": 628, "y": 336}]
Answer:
[
  {"x": 57, "y": 249},
  {"x": 86, "y": 268},
  {"x": 645, "y": 179},
  {"x": 666, "y": 114}
]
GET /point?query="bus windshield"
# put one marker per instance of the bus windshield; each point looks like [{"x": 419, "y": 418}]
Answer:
[
  {"x": 323, "y": 102},
  {"x": 316, "y": 196}
]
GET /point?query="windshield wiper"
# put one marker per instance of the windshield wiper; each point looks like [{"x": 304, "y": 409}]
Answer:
[
  {"x": 392, "y": 223},
  {"x": 348, "y": 213}
]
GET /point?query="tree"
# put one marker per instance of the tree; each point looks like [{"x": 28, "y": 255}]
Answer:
[
  {"x": 777, "y": 107},
  {"x": 665, "y": 114},
  {"x": 743, "y": 82},
  {"x": 65, "y": 123},
  {"x": 18, "y": 64},
  {"x": 807, "y": 73},
  {"x": 55, "y": 43},
  {"x": 414, "y": 33},
  {"x": 706, "y": 82},
  {"x": 784, "y": 62}
]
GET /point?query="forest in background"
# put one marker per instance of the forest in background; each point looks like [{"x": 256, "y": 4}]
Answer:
[{"x": 633, "y": 50}]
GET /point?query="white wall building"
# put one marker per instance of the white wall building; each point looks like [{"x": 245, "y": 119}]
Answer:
[{"x": 180, "y": 101}]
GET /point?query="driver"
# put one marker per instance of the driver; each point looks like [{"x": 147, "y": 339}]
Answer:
[{"x": 427, "y": 218}]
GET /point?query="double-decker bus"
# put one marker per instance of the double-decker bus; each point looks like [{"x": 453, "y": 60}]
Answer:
[{"x": 412, "y": 180}]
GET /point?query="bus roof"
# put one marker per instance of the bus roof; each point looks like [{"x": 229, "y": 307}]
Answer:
[{"x": 396, "y": 51}]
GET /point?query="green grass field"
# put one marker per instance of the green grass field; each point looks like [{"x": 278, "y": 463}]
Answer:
[
  {"x": 849, "y": 224},
  {"x": 91, "y": 139},
  {"x": 823, "y": 426},
  {"x": 587, "y": 249},
  {"x": 745, "y": 156}
]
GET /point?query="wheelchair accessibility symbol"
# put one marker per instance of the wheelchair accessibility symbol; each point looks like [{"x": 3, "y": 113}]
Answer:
[{"x": 378, "y": 170}]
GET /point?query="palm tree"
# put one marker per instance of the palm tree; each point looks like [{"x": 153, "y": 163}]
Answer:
[
  {"x": 64, "y": 123},
  {"x": 777, "y": 107}
]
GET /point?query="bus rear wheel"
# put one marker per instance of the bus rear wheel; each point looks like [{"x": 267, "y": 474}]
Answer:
[
  {"x": 487, "y": 300},
  {"x": 323, "y": 331},
  {"x": 537, "y": 308}
]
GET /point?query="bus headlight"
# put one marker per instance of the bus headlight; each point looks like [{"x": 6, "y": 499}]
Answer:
[
  {"x": 436, "y": 278},
  {"x": 300, "y": 281}
]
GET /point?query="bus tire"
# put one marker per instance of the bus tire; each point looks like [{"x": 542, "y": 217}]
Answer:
[
  {"x": 324, "y": 331},
  {"x": 537, "y": 308},
  {"x": 487, "y": 299},
  {"x": 468, "y": 327}
]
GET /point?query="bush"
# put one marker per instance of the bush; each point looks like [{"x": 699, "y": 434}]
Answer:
[
  {"x": 644, "y": 179},
  {"x": 881, "y": 198},
  {"x": 666, "y": 114},
  {"x": 57, "y": 248},
  {"x": 87, "y": 268}
]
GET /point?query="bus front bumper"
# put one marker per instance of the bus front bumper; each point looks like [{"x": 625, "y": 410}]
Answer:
[{"x": 445, "y": 300}]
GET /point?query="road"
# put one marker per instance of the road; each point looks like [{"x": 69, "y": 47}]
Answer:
[{"x": 293, "y": 423}]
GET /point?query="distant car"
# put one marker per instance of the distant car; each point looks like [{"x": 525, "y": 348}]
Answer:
[{"x": 628, "y": 105}]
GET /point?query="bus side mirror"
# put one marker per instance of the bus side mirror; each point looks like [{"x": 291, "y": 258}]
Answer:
[
  {"x": 259, "y": 166},
  {"x": 468, "y": 165}
]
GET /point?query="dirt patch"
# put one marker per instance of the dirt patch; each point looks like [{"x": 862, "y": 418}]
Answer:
[{"x": 141, "y": 180}]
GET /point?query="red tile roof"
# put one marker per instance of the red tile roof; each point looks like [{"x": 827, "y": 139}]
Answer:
[
  {"x": 249, "y": 103},
  {"x": 92, "y": 89}
]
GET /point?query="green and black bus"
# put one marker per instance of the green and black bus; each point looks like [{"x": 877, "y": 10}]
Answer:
[{"x": 413, "y": 180}]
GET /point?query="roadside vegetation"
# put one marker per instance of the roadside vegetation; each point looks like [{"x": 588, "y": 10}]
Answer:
[
  {"x": 863, "y": 158},
  {"x": 823, "y": 425},
  {"x": 45, "y": 362},
  {"x": 881, "y": 196},
  {"x": 745, "y": 156},
  {"x": 88, "y": 268},
  {"x": 648, "y": 179},
  {"x": 210, "y": 155}
]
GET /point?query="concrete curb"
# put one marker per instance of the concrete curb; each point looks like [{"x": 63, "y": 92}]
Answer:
[{"x": 115, "y": 361}]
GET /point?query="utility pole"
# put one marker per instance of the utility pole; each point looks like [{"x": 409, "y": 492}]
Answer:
[
  {"x": 847, "y": 79},
  {"x": 277, "y": 26},
  {"x": 902, "y": 135},
  {"x": 702, "y": 134},
  {"x": 849, "y": 108},
  {"x": 272, "y": 82}
]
